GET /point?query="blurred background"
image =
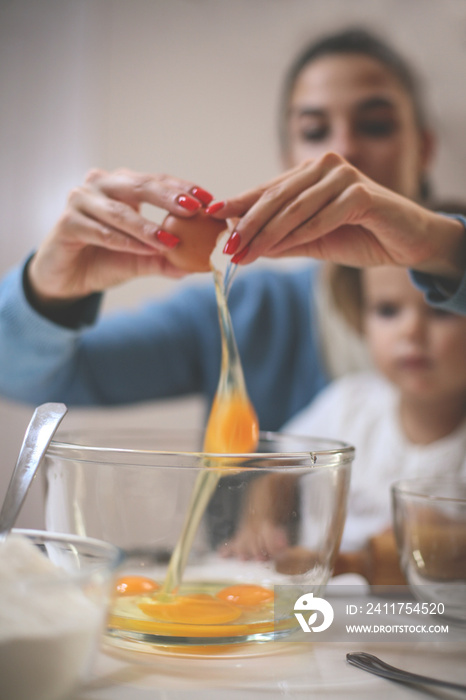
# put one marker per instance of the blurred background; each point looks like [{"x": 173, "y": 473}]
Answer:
[{"x": 187, "y": 87}]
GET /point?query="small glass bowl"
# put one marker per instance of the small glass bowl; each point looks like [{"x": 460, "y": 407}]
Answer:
[
  {"x": 430, "y": 528},
  {"x": 51, "y": 620}
]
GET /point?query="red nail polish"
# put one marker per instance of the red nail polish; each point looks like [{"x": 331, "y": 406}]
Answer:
[
  {"x": 215, "y": 207},
  {"x": 167, "y": 238},
  {"x": 202, "y": 195},
  {"x": 232, "y": 244},
  {"x": 187, "y": 202},
  {"x": 239, "y": 256}
]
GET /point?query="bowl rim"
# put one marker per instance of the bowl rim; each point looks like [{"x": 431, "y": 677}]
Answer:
[
  {"x": 111, "y": 566},
  {"x": 413, "y": 487},
  {"x": 66, "y": 442}
]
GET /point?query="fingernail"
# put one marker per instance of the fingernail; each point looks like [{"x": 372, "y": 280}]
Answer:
[
  {"x": 204, "y": 196},
  {"x": 215, "y": 207},
  {"x": 232, "y": 244},
  {"x": 239, "y": 256},
  {"x": 167, "y": 238},
  {"x": 187, "y": 202}
]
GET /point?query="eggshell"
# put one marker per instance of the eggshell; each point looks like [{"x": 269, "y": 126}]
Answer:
[{"x": 198, "y": 235}]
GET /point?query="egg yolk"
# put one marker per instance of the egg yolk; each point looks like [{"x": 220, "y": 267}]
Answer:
[
  {"x": 135, "y": 585},
  {"x": 246, "y": 595},
  {"x": 233, "y": 425},
  {"x": 192, "y": 609}
]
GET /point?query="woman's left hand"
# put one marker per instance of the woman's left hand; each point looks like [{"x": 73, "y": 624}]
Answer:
[{"x": 328, "y": 210}]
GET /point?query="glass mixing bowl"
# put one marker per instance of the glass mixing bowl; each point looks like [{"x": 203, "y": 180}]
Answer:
[{"x": 270, "y": 518}]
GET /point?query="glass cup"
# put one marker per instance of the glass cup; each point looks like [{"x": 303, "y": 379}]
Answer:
[
  {"x": 430, "y": 528},
  {"x": 250, "y": 521},
  {"x": 54, "y": 598}
]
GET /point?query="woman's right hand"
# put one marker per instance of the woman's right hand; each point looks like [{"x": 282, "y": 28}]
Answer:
[
  {"x": 102, "y": 239},
  {"x": 329, "y": 210}
]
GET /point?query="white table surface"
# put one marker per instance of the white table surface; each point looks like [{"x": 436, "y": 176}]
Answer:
[{"x": 286, "y": 670}]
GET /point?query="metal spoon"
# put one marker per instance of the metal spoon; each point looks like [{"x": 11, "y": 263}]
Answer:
[
  {"x": 39, "y": 433},
  {"x": 371, "y": 663}
]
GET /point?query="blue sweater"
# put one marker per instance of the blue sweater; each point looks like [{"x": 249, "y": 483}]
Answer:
[
  {"x": 172, "y": 347},
  {"x": 168, "y": 348}
]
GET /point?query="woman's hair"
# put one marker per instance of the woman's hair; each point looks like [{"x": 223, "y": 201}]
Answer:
[
  {"x": 345, "y": 285},
  {"x": 352, "y": 41}
]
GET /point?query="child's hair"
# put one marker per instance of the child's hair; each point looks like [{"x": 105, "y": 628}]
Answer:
[
  {"x": 346, "y": 290},
  {"x": 346, "y": 282}
]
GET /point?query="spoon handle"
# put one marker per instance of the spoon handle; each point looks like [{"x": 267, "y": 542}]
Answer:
[
  {"x": 371, "y": 663},
  {"x": 39, "y": 433}
]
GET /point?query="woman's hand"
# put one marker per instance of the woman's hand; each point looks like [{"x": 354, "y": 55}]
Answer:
[
  {"x": 101, "y": 239},
  {"x": 327, "y": 209}
]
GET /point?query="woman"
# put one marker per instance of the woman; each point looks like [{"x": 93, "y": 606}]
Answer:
[
  {"x": 356, "y": 204},
  {"x": 355, "y": 135}
]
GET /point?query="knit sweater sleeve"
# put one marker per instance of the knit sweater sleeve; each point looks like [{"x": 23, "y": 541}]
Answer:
[
  {"x": 122, "y": 358},
  {"x": 434, "y": 290},
  {"x": 167, "y": 348}
]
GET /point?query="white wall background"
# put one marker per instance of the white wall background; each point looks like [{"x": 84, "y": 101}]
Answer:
[{"x": 188, "y": 87}]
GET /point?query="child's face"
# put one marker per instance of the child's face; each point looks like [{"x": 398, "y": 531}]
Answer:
[{"x": 420, "y": 349}]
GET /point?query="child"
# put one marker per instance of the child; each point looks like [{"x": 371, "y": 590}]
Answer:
[{"x": 407, "y": 417}]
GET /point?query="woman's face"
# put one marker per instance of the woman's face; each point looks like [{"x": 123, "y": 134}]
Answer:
[{"x": 354, "y": 106}]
